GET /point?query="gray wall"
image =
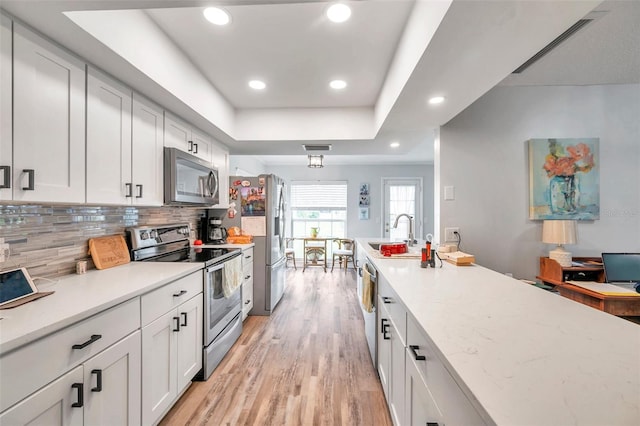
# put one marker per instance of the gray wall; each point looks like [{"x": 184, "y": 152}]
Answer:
[
  {"x": 357, "y": 174},
  {"x": 483, "y": 154},
  {"x": 239, "y": 164}
]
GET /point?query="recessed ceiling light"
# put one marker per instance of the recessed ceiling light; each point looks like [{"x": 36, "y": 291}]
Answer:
[
  {"x": 394, "y": 144},
  {"x": 436, "y": 100},
  {"x": 216, "y": 16},
  {"x": 338, "y": 84},
  {"x": 338, "y": 12},
  {"x": 257, "y": 84}
]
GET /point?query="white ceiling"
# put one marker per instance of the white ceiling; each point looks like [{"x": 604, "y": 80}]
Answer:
[{"x": 393, "y": 53}]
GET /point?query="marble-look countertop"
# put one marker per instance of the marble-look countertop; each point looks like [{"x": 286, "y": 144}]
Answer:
[
  {"x": 527, "y": 356},
  {"x": 77, "y": 297}
]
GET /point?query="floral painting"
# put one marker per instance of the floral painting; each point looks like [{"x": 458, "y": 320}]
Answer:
[{"x": 564, "y": 179}]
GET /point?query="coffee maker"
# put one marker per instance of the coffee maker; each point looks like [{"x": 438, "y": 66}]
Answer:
[{"x": 212, "y": 231}]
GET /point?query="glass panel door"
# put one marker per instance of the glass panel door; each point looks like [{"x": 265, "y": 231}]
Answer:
[{"x": 402, "y": 196}]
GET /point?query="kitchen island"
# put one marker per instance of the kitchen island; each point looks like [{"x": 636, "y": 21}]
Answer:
[{"x": 521, "y": 355}]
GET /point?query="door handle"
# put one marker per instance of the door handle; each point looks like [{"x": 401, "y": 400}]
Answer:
[
  {"x": 190, "y": 149},
  {"x": 128, "y": 189},
  {"x": 98, "y": 374},
  {"x": 195, "y": 148},
  {"x": 184, "y": 318},
  {"x": 139, "y": 188},
  {"x": 32, "y": 180},
  {"x": 385, "y": 328},
  {"x": 80, "y": 401},
  {"x": 6, "y": 182},
  {"x": 177, "y": 324}
]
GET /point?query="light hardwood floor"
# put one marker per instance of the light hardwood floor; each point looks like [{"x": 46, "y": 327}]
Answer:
[{"x": 307, "y": 364}]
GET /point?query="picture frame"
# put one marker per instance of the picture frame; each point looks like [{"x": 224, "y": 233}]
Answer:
[{"x": 364, "y": 200}]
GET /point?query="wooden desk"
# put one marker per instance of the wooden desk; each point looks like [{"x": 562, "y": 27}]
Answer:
[
  {"x": 615, "y": 305},
  {"x": 553, "y": 274},
  {"x": 313, "y": 248}
]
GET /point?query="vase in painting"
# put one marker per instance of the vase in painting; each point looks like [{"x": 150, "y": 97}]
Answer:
[{"x": 563, "y": 194}]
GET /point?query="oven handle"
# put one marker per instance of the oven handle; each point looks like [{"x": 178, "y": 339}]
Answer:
[{"x": 214, "y": 268}]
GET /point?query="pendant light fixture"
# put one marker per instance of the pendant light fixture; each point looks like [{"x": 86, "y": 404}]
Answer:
[{"x": 315, "y": 161}]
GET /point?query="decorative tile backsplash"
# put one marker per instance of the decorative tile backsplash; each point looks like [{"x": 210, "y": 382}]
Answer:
[{"x": 49, "y": 240}]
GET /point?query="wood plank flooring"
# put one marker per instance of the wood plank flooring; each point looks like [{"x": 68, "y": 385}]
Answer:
[{"x": 307, "y": 364}]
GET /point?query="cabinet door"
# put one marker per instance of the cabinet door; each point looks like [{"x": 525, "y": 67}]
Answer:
[
  {"x": 147, "y": 158},
  {"x": 6, "y": 117},
  {"x": 201, "y": 147},
  {"x": 48, "y": 121},
  {"x": 190, "y": 345},
  {"x": 247, "y": 282},
  {"x": 112, "y": 384},
  {"x": 396, "y": 376},
  {"x": 420, "y": 408},
  {"x": 108, "y": 140},
  {"x": 384, "y": 348},
  {"x": 52, "y": 405},
  {"x": 220, "y": 160},
  {"x": 177, "y": 134},
  {"x": 159, "y": 366}
]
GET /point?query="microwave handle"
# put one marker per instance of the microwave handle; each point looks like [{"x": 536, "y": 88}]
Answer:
[{"x": 213, "y": 184}]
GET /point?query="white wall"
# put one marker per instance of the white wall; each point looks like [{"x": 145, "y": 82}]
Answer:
[
  {"x": 483, "y": 154},
  {"x": 239, "y": 164},
  {"x": 357, "y": 174}
]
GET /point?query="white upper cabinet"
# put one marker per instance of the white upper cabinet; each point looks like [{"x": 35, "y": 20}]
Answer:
[
  {"x": 147, "y": 154},
  {"x": 48, "y": 121},
  {"x": 6, "y": 161},
  {"x": 108, "y": 140},
  {"x": 178, "y": 134}
]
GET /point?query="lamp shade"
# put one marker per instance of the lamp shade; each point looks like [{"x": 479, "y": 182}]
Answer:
[{"x": 559, "y": 231}]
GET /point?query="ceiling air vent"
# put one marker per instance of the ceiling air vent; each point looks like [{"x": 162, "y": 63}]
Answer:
[
  {"x": 316, "y": 148},
  {"x": 555, "y": 43}
]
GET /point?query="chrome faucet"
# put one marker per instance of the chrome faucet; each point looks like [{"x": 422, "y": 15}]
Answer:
[{"x": 410, "y": 237}]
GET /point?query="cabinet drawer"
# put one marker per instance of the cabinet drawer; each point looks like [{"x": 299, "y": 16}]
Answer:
[
  {"x": 33, "y": 366},
  {"x": 247, "y": 272},
  {"x": 247, "y": 256},
  {"x": 165, "y": 298},
  {"x": 397, "y": 313},
  {"x": 454, "y": 405}
]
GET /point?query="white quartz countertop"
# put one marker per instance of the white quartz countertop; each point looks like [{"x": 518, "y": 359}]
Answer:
[
  {"x": 240, "y": 246},
  {"x": 528, "y": 356},
  {"x": 79, "y": 296}
]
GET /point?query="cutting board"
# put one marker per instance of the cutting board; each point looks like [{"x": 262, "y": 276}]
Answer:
[{"x": 109, "y": 251}]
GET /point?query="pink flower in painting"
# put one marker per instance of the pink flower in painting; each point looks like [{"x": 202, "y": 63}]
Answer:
[{"x": 558, "y": 163}]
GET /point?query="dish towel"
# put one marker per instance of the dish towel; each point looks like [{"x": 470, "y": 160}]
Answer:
[
  {"x": 232, "y": 276},
  {"x": 367, "y": 290}
]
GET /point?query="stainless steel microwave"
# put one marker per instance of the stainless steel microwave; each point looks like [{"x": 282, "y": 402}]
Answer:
[{"x": 189, "y": 179}]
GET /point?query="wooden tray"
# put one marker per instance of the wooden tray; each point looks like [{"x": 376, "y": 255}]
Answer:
[{"x": 109, "y": 251}]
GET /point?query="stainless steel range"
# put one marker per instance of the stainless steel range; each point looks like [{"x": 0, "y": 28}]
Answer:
[{"x": 222, "y": 314}]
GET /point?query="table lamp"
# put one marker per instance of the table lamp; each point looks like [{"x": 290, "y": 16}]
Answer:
[{"x": 559, "y": 232}]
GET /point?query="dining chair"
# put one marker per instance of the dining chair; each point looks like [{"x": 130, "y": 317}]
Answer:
[
  {"x": 290, "y": 252},
  {"x": 344, "y": 252}
]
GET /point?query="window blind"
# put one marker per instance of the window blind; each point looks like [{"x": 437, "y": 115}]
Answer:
[{"x": 319, "y": 195}]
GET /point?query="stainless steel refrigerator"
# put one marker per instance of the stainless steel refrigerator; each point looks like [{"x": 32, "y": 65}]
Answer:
[{"x": 258, "y": 208}]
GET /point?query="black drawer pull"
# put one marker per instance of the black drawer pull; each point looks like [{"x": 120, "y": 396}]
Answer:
[
  {"x": 180, "y": 293},
  {"x": 248, "y": 257},
  {"x": 32, "y": 179},
  {"x": 139, "y": 188},
  {"x": 177, "y": 324},
  {"x": 414, "y": 350},
  {"x": 247, "y": 277},
  {"x": 127, "y": 186},
  {"x": 6, "y": 170},
  {"x": 190, "y": 149},
  {"x": 93, "y": 338},
  {"x": 387, "y": 300},
  {"x": 184, "y": 319},
  {"x": 195, "y": 148},
  {"x": 384, "y": 326},
  {"x": 80, "y": 388},
  {"x": 247, "y": 302},
  {"x": 433, "y": 424},
  {"x": 98, "y": 374}
]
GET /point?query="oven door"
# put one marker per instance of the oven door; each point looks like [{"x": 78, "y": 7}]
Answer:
[{"x": 218, "y": 309}]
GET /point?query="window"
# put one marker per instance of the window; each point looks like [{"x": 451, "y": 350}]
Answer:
[{"x": 318, "y": 204}]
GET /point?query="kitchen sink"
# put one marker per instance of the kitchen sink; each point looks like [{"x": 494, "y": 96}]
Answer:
[{"x": 375, "y": 246}]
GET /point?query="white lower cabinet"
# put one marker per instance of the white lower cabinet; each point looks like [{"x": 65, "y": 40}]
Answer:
[
  {"x": 420, "y": 408},
  {"x": 171, "y": 349},
  {"x": 53, "y": 405},
  {"x": 391, "y": 364},
  {"x": 247, "y": 281}
]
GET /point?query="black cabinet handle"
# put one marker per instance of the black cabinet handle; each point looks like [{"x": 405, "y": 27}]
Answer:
[
  {"x": 177, "y": 324},
  {"x": 128, "y": 188},
  {"x": 93, "y": 338},
  {"x": 139, "y": 188},
  {"x": 180, "y": 293},
  {"x": 98, "y": 374},
  {"x": 32, "y": 180},
  {"x": 195, "y": 148},
  {"x": 384, "y": 326},
  {"x": 247, "y": 302},
  {"x": 80, "y": 388},
  {"x": 190, "y": 149},
  {"x": 433, "y": 424},
  {"x": 414, "y": 350},
  {"x": 248, "y": 257},
  {"x": 247, "y": 277},
  {"x": 6, "y": 182},
  {"x": 387, "y": 300},
  {"x": 184, "y": 319}
]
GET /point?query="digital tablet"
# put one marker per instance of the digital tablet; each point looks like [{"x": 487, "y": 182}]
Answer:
[{"x": 15, "y": 284}]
